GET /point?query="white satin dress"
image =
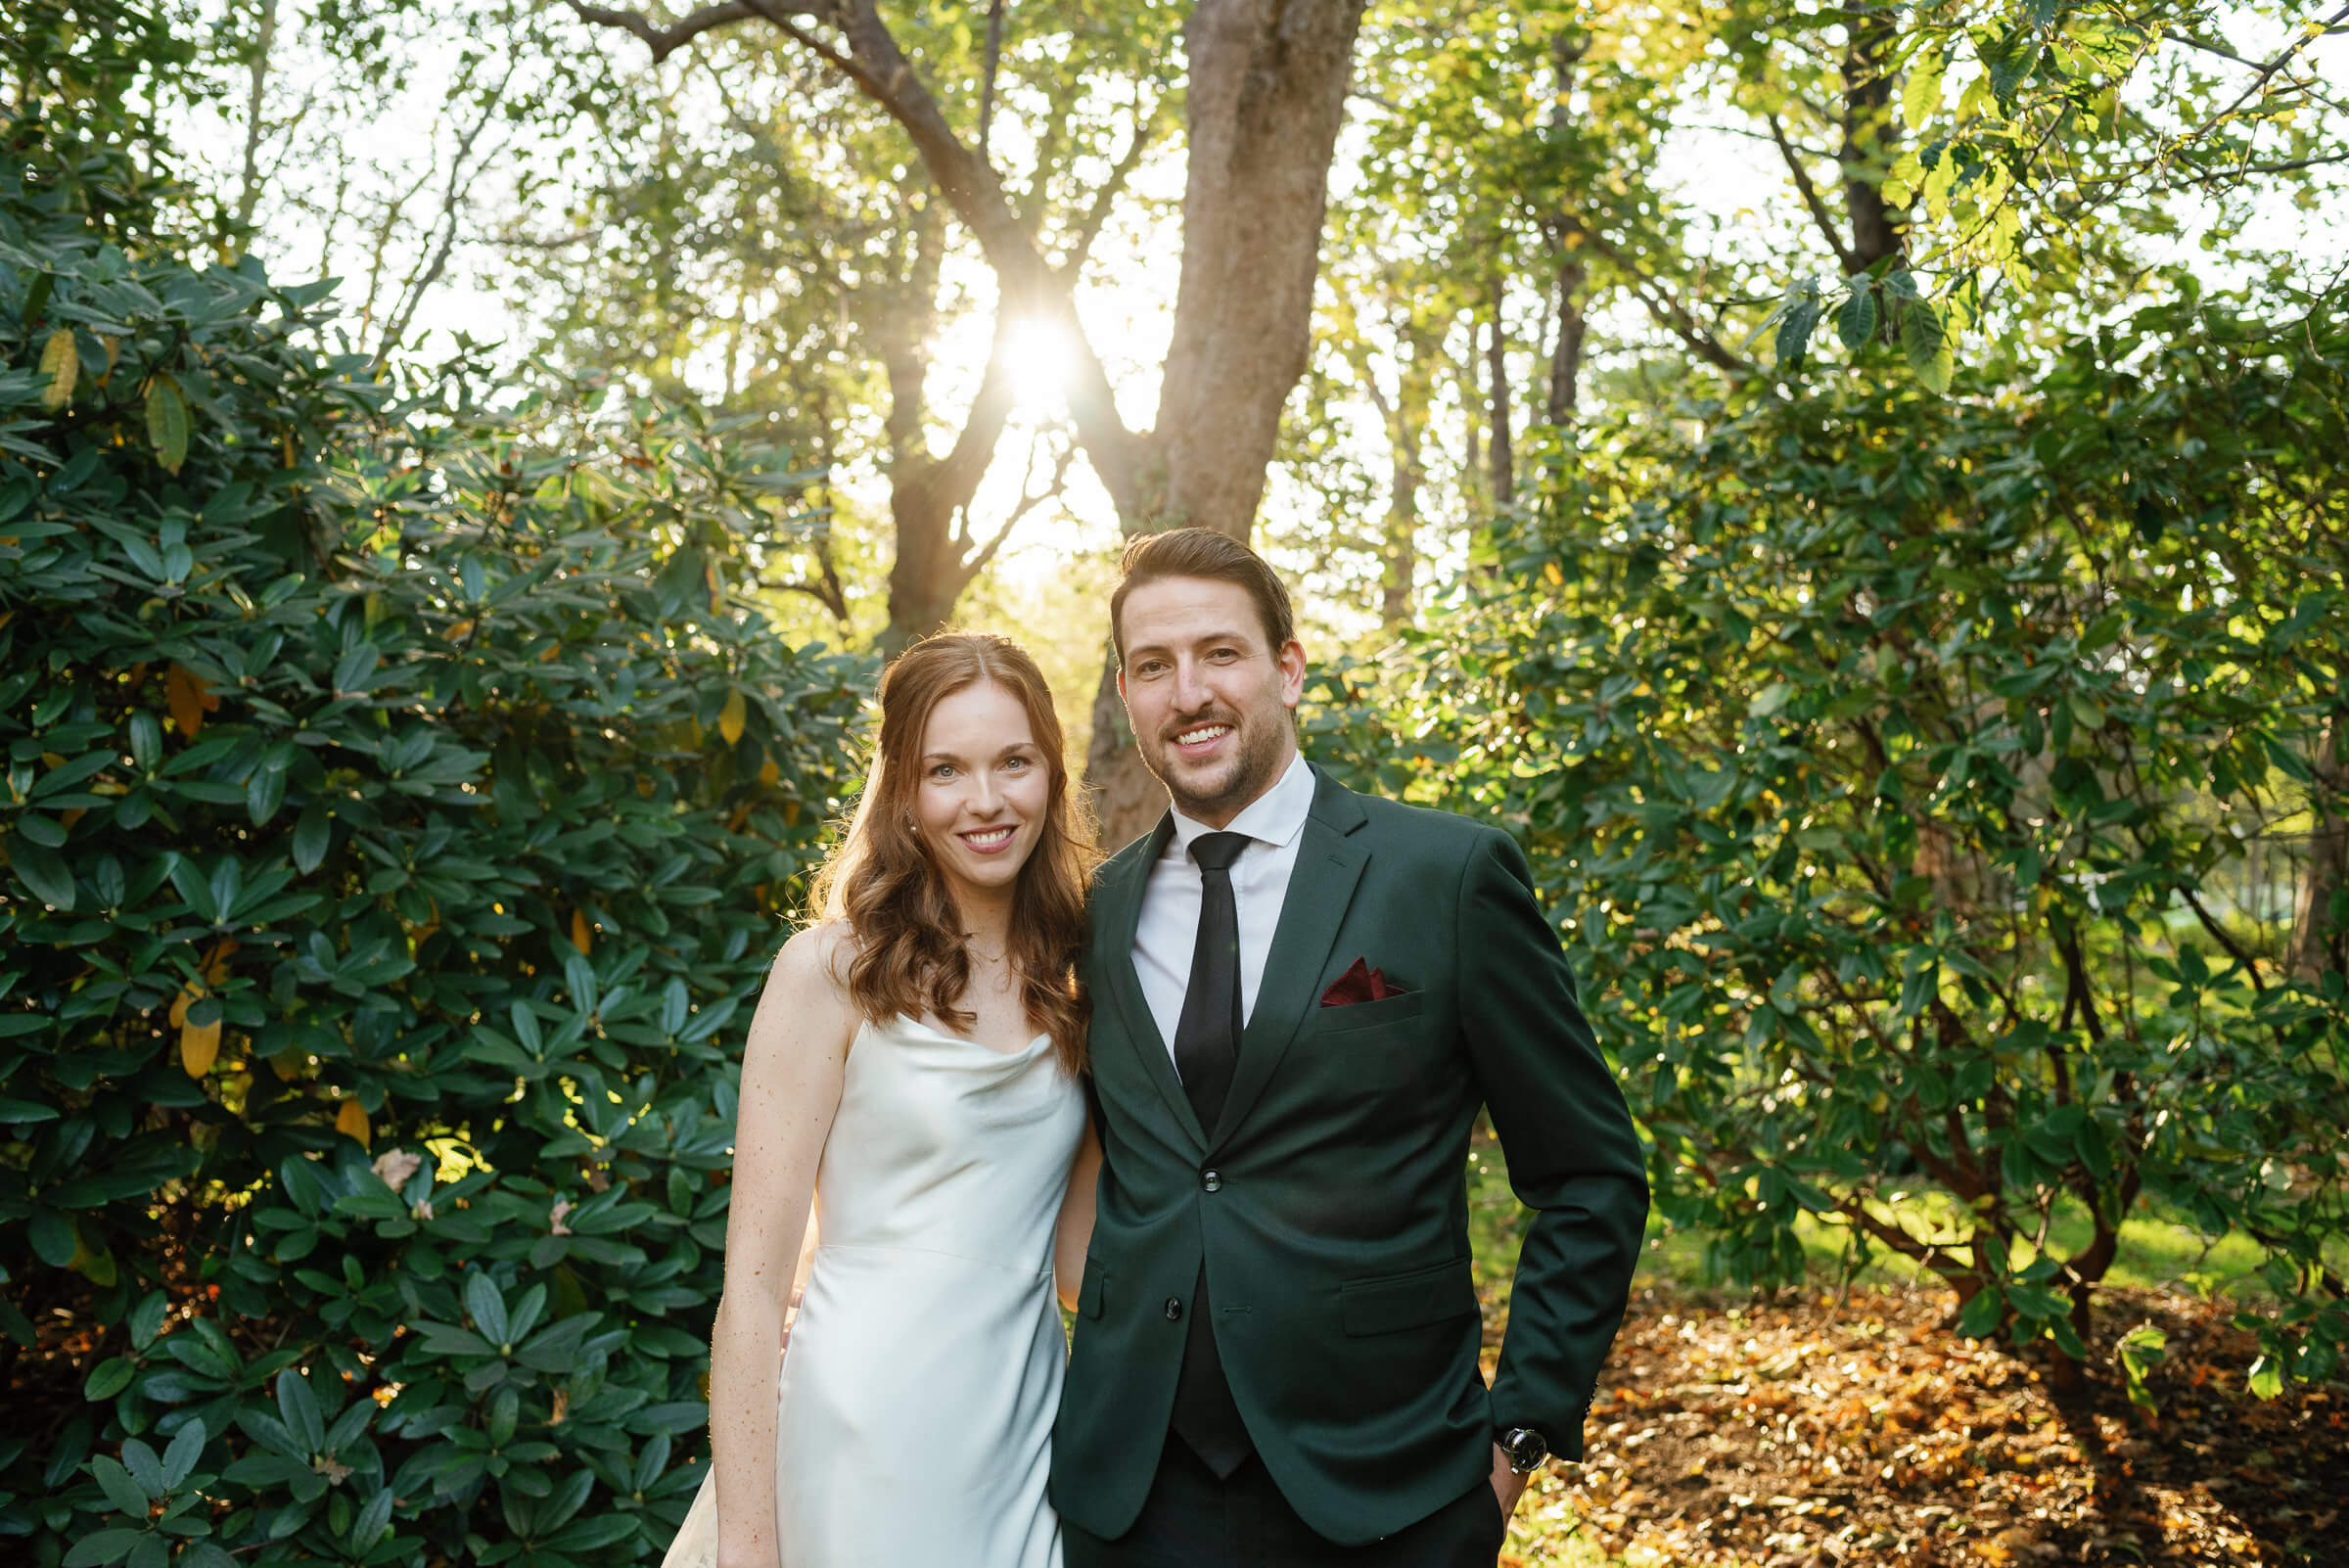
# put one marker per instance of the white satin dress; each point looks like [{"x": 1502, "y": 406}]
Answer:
[{"x": 915, "y": 1421}]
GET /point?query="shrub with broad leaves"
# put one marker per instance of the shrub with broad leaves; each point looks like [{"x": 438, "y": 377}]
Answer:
[{"x": 400, "y": 803}]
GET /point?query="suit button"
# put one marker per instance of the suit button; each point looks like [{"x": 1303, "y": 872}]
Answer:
[
  {"x": 1211, "y": 1181},
  {"x": 1173, "y": 1309}
]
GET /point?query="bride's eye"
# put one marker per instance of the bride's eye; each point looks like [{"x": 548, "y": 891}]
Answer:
[{"x": 944, "y": 770}]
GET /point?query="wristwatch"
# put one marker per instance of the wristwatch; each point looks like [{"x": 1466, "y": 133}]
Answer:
[{"x": 1526, "y": 1449}]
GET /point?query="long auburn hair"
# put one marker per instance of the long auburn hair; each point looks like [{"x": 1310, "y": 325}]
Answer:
[{"x": 910, "y": 957}]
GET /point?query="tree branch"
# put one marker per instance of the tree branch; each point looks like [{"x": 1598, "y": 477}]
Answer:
[
  {"x": 2219, "y": 934},
  {"x": 1081, "y": 243},
  {"x": 1811, "y": 199},
  {"x": 1667, "y": 311},
  {"x": 878, "y": 67},
  {"x": 666, "y": 41}
]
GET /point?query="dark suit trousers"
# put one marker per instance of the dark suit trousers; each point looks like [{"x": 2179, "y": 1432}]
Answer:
[{"x": 1193, "y": 1520}]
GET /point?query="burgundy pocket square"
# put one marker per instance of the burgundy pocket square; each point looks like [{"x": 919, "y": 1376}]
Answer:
[{"x": 1359, "y": 983}]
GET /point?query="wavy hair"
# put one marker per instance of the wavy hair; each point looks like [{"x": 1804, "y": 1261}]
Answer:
[{"x": 911, "y": 957}]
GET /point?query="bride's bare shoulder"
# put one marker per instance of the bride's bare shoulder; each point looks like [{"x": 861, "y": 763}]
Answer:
[
  {"x": 818, "y": 955},
  {"x": 807, "y": 996}
]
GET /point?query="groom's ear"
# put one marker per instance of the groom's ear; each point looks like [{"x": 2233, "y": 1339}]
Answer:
[{"x": 1292, "y": 673}]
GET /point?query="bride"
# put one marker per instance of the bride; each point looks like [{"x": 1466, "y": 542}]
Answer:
[{"x": 912, "y": 1075}]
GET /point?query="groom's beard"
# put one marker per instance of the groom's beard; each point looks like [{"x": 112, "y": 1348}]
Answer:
[{"x": 1253, "y": 765}]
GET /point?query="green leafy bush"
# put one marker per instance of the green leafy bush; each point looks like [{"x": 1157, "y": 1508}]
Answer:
[
  {"x": 397, "y": 811},
  {"x": 1929, "y": 783}
]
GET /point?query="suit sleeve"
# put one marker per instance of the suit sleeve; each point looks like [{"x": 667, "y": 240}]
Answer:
[{"x": 1572, "y": 1153}]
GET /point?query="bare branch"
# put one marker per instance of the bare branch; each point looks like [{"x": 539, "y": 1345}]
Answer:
[
  {"x": 665, "y": 41},
  {"x": 1811, "y": 199},
  {"x": 1028, "y": 503},
  {"x": 2260, "y": 76},
  {"x": 1667, "y": 311},
  {"x": 1081, "y": 245},
  {"x": 448, "y": 224}
]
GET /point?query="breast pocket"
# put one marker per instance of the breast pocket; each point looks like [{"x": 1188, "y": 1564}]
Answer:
[{"x": 1369, "y": 1014}]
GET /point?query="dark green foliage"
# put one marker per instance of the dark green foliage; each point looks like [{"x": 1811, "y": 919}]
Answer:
[
  {"x": 347, "y": 1207},
  {"x": 1911, "y": 771}
]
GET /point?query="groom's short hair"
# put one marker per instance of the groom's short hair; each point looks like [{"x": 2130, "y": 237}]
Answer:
[{"x": 1203, "y": 553}]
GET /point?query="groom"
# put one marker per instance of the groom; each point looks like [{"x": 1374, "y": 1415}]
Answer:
[{"x": 1302, "y": 996}]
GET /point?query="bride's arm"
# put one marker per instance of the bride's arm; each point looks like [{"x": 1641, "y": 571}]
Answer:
[
  {"x": 1076, "y": 1230},
  {"x": 791, "y": 1080}
]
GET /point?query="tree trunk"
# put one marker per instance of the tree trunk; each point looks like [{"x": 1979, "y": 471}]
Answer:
[
  {"x": 1421, "y": 352},
  {"x": 928, "y": 495},
  {"x": 1266, "y": 94},
  {"x": 2319, "y": 943},
  {"x": 1472, "y": 408},
  {"x": 1869, "y": 138},
  {"x": 248, "y": 179},
  {"x": 1265, "y": 99},
  {"x": 1566, "y": 364},
  {"x": 1496, "y": 363}
]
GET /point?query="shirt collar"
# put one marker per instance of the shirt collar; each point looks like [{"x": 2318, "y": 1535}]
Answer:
[{"x": 1274, "y": 817}]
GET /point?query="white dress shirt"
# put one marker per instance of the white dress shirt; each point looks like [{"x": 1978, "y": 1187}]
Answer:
[{"x": 1169, "y": 932}]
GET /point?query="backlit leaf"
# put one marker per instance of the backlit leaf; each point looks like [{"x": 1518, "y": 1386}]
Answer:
[
  {"x": 168, "y": 423},
  {"x": 199, "y": 1046},
  {"x": 60, "y": 362}
]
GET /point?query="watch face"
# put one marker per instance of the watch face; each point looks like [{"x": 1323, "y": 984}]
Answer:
[{"x": 1525, "y": 1448}]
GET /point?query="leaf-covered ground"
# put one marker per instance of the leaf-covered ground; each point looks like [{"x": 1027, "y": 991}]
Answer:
[{"x": 1853, "y": 1431}]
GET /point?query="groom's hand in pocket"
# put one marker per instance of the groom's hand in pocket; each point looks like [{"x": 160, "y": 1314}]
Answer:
[{"x": 1508, "y": 1485}]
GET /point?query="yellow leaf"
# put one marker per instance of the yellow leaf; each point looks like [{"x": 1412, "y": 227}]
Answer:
[
  {"x": 189, "y": 699},
  {"x": 460, "y": 631},
  {"x": 769, "y": 774},
  {"x": 1550, "y": 570},
  {"x": 60, "y": 362},
  {"x": 198, "y": 1044},
  {"x": 352, "y": 1122},
  {"x": 552, "y": 651},
  {"x": 181, "y": 1003},
  {"x": 718, "y": 589},
  {"x": 791, "y": 811},
  {"x": 580, "y": 932},
  {"x": 216, "y": 962},
  {"x": 730, "y": 718}
]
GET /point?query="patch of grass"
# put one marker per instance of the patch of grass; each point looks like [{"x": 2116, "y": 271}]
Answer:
[{"x": 2159, "y": 1249}]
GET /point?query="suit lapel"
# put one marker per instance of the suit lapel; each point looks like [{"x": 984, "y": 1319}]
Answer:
[
  {"x": 1329, "y": 864},
  {"x": 1123, "y": 917}
]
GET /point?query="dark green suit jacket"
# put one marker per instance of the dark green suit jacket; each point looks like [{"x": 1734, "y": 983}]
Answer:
[{"x": 1335, "y": 1224}]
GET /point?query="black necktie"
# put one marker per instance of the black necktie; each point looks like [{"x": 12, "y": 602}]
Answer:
[
  {"x": 1207, "y": 1038},
  {"x": 1207, "y": 1048}
]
